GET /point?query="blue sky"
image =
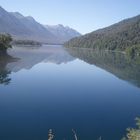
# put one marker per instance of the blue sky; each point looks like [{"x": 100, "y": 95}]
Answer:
[{"x": 83, "y": 15}]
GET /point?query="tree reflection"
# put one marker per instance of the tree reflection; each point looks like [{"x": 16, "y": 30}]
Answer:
[
  {"x": 117, "y": 63},
  {"x": 4, "y": 77},
  {"x": 4, "y": 72}
]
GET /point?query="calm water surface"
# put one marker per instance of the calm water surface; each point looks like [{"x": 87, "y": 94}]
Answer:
[{"x": 94, "y": 93}]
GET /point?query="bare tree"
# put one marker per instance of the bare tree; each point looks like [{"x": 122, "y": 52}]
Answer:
[{"x": 75, "y": 135}]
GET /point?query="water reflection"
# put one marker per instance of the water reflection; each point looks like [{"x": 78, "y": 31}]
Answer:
[
  {"x": 119, "y": 64},
  {"x": 58, "y": 96},
  {"x": 5, "y": 59},
  {"x": 30, "y": 56},
  {"x": 23, "y": 57},
  {"x": 19, "y": 58}
]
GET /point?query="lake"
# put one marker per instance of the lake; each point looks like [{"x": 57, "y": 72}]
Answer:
[{"x": 51, "y": 87}]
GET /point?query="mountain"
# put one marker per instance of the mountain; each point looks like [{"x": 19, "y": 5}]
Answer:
[
  {"x": 10, "y": 24},
  {"x": 39, "y": 32},
  {"x": 63, "y": 33},
  {"x": 120, "y": 36},
  {"x": 21, "y": 27},
  {"x": 27, "y": 28}
]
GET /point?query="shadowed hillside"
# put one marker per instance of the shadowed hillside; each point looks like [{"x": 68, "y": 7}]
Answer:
[{"x": 123, "y": 36}]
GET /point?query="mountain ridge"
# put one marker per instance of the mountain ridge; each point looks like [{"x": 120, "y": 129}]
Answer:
[
  {"x": 122, "y": 36},
  {"x": 64, "y": 32},
  {"x": 27, "y": 28}
]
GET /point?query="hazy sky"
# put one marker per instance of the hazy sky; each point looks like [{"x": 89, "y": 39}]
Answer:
[{"x": 83, "y": 15}]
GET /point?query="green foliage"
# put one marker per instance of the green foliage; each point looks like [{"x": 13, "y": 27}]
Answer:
[
  {"x": 133, "y": 134},
  {"x": 26, "y": 42},
  {"x": 138, "y": 122},
  {"x": 5, "y": 40},
  {"x": 120, "y": 36},
  {"x": 133, "y": 51}
]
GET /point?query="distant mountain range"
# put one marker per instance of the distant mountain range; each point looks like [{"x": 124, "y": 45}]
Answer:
[
  {"x": 120, "y": 36},
  {"x": 64, "y": 33},
  {"x": 27, "y": 28}
]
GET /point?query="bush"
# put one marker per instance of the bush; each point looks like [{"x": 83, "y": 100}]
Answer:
[
  {"x": 5, "y": 40},
  {"x": 133, "y": 134}
]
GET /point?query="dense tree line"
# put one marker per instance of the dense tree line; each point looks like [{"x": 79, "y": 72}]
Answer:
[
  {"x": 123, "y": 36},
  {"x": 26, "y": 42}
]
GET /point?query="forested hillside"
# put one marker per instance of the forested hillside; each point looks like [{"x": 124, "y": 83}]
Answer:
[{"x": 123, "y": 36}]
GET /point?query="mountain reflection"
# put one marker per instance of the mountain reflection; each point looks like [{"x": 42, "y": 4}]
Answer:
[
  {"x": 19, "y": 58},
  {"x": 22, "y": 57},
  {"x": 119, "y": 64},
  {"x": 30, "y": 56}
]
